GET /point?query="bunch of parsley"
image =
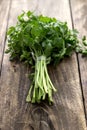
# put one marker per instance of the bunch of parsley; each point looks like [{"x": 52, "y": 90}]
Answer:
[{"x": 39, "y": 40}]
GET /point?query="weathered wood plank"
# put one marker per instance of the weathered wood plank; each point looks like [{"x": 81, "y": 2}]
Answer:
[
  {"x": 79, "y": 11},
  {"x": 4, "y": 11},
  {"x": 67, "y": 112},
  {"x": 13, "y": 91}
]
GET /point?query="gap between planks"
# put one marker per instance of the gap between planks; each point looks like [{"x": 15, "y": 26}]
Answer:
[
  {"x": 75, "y": 25},
  {"x": 4, "y": 36}
]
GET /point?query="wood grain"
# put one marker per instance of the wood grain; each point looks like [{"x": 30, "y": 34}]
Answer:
[
  {"x": 79, "y": 13},
  {"x": 4, "y": 13},
  {"x": 67, "y": 112}
]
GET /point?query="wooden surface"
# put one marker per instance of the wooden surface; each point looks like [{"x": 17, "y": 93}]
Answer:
[
  {"x": 69, "y": 77},
  {"x": 4, "y": 14},
  {"x": 79, "y": 11}
]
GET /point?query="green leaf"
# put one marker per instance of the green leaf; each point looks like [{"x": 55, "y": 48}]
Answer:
[{"x": 10, "y": 30}]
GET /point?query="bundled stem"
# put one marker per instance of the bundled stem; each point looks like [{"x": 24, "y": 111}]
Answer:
[{"x": 42, "y": 86}]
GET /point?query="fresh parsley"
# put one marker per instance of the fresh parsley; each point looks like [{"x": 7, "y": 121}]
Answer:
[{"x": 39, "y": 40}]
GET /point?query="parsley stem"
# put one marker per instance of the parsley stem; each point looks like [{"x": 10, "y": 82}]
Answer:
[{"x": 42, "y": 85}]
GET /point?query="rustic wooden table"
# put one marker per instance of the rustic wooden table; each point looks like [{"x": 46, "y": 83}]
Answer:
[{"x": 69, "y": 111}]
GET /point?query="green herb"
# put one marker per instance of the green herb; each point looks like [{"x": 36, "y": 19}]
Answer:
[{"x": 38, "y": 40}]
